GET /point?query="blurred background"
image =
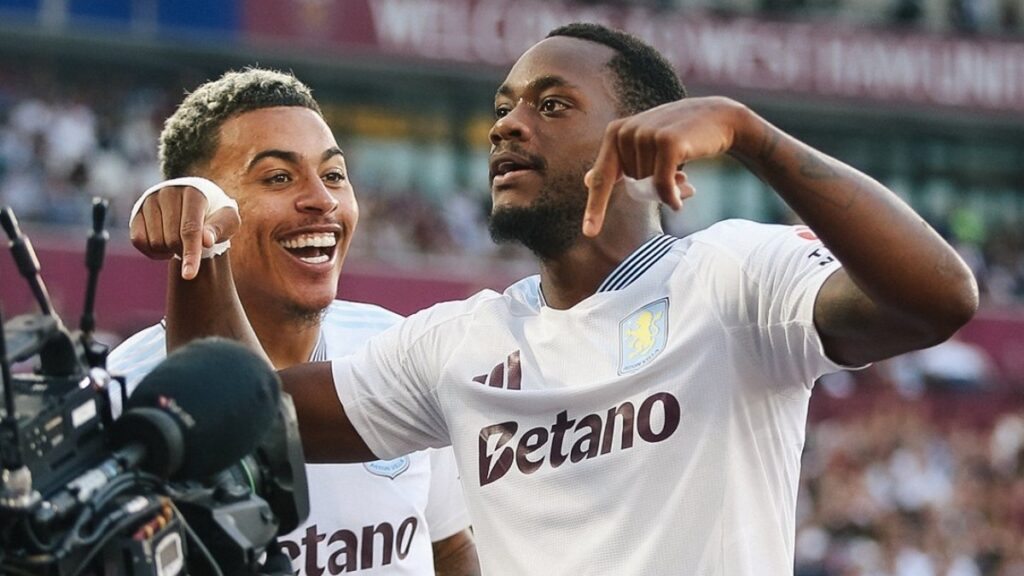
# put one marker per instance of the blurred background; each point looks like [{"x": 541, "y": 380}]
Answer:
[{"x": 913, "y": 467}]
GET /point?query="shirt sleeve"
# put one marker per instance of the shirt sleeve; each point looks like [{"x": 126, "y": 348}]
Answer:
[
  {"x": 765, "y": 280},
  {"x": 133, "y": 359},
  {"x": 389, "y": 387},
  {"x": 446, "y": 507}
]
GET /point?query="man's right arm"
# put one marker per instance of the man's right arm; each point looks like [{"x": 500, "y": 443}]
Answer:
[
  {"x": 202, "y": 301},
  {"x": 206, "y": 305},
  {"x": 201, "y": 296}
]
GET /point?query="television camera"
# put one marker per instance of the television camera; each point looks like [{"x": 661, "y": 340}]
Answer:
[{"x": 198, "y": 475}]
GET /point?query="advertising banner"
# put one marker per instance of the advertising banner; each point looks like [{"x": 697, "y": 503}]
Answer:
[{"x": 818, "y": 60}]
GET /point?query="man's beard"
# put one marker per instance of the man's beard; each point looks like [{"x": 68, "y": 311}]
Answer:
[
  {"x": 549, "y": 225},
  {"x": 305, "y": 315}
]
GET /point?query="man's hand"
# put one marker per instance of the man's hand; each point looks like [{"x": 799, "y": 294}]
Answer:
[
  {"x": 656, "y": 143},
  {"x": 173, "y": 222}
]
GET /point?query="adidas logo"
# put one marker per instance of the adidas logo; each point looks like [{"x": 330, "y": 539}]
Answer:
[{"x": 507, "y": 374}]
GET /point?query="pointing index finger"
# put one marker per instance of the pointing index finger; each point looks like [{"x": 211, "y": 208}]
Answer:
[
  {"x": 193, "y": 215},
  {"x": 600, "y": 180}
]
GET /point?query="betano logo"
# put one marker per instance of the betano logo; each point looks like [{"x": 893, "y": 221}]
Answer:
[{"x": 502, "y": 448}]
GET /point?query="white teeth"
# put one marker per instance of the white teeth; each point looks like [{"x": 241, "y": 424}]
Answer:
[
  {"x": 318, "y": 240},
  {"x": 506, "y": 167},
  {"x": 320, "y": 259}
]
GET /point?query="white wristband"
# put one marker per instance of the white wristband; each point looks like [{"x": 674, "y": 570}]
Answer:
[{"x": 215, "y": 200}]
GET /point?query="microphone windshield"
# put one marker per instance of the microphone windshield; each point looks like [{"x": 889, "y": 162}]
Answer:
[{"x": 223, "y": 397}]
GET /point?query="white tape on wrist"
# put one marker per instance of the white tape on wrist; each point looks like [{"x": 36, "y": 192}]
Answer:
[
  {"x": 215, "y": 200},
  {"x": 643, "y": 190}
]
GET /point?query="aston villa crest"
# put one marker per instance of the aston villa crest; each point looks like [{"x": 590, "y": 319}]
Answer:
[
  {"x": 642, "y": 336},
  {"x": 388, "y": 468}
]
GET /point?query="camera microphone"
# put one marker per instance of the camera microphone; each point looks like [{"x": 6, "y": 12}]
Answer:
[
  {"x": 222, "y": 397},
  {"x": 26, "y": 260}
]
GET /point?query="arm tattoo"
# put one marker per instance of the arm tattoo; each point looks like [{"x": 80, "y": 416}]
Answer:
[
  {"x": 814, "y": 168},
  {"x": 821, "y": 180},
  {"x": 766, "y": 153}
]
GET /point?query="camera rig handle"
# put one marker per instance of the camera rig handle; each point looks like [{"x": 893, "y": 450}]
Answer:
[{"x": 44, "y": 334}]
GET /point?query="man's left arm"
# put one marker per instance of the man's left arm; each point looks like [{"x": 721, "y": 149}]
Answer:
[
  {"x": 902, "y": 287},
  {"x": 456, "y": 555}
]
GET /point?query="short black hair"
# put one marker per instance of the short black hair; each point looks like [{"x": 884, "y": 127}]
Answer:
[
  {"x": 190, "y": 136},
  {"x": 643, "y": 77}
]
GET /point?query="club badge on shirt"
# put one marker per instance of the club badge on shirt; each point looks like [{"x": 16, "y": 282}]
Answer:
[
  {"x": 642, "y": 336},
  {"x": 388, "y": 468}
]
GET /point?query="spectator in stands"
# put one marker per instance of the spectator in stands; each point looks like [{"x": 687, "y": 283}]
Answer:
[{"x": 859, "y": 516}]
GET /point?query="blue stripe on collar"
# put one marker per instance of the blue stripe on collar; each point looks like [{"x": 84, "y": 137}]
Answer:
[{"x": 637, "y": 263}]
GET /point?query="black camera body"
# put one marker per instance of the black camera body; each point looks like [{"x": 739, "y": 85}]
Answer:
[
  {"x": 60, "y": 418},
  {"x": 85, "y": 493}
]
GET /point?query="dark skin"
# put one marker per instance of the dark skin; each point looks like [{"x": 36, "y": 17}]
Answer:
[
  {"x": 902, "y": 287},
  {"x": 557, "y": 107}
]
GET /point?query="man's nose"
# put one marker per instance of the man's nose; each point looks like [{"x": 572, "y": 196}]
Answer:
[
  {"x": 317, "y": 198},
  {"x": 512, "y": 126}
]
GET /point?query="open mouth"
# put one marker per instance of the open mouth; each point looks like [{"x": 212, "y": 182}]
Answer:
[
  {"x": 315, "y": 248},
  {"x": 506, "y": 163},
  {"x": 509, "y": 166}
]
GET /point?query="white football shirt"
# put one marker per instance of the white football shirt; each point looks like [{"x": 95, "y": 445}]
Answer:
[
  {"x": 654, "y": 428},
  {"x": 375, "y": 518}
]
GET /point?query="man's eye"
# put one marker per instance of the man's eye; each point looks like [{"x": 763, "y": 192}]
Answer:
[
  {"x": 552, "y": 105},
  {"x": 335, "y": 177},
  {"x": 280, "y": 178},
  {"x": 501, "y": 111}
]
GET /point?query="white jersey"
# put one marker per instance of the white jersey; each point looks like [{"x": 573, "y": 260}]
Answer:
[
  {"x": 654, "y": 428},
  {"x": 374, "y": 518}
]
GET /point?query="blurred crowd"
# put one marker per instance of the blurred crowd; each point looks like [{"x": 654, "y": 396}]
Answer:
[
  {"x": 893, "y": 492},
  {"x": 60, "y": 147},
  {"x": 996, "y": 256}
]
